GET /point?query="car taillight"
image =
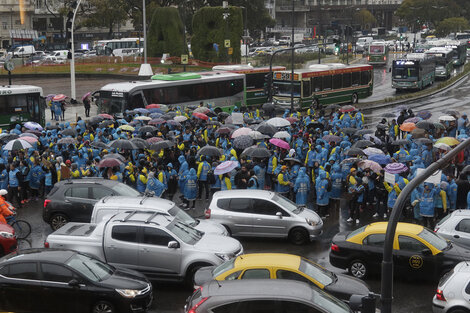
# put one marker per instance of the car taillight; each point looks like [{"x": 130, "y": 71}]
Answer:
[
  {"x": 194, "y": 308},
  {"x": 334, "y": 247},
  {"x": 440, "y": 295},
  {"x": 46, "y": 202},
  {"x": 207, "y": 213},
  {"x": 46, "y": 244},
  {"x": 385, "y": 58},
  {"x": 436, "y": 229},
  {"x": 368, "y": 58}
]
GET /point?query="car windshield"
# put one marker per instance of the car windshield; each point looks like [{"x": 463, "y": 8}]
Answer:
[
  {"x": 317, "y": 272},
  {"x": 125, "y": 190},
  {"x": 92, "y": 269},
  {"x": 445, "y": 218},
  {"x": 285, "y": 203},
  {"x": 185, "y": 232},
  {"x": 183, "y": 216},
  {"x": 434, "y": 239},
  {"x": 222, "y": 268},
  {"x": 329, "y": 303},
  {"x": 355, "y": 232}
]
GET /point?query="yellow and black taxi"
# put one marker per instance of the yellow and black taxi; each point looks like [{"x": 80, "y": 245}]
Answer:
[
  {"x": 418, "y": 252},
  {"x": 283, "y": 266}
]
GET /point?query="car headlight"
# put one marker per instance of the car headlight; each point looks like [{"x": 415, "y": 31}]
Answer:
[
  {"x": 311, "y": 222},
  {"x": 6, "y": 235},
  {"x": 223, "y": 256},
  {"x": 128, "y": 293}
]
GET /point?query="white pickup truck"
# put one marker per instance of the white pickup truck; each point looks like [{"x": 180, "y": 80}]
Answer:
[{"x": 154, "y": 243}]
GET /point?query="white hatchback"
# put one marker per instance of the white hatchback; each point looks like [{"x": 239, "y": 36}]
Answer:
[
  {"x": 455, "y": 227},
  {"x": 453, "y": 291}
]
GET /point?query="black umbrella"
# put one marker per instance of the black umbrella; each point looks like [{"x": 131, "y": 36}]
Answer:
[
  {"x": 166, "y": 117},
  {"x": 96, "y": 119},
  {"x": 399, "y": 142},
  {"x": 242, "y": 142},
  {"x": 389, "y": 114},
  {"x": 466, "y": 169},
  {"x": 424, "y": 141},
  {"x": 425, "y": 125},
  {"x": 349, "y": 131},
  {"x": 68, "y": 132},
  {"x": 51, "y": 127},
  {"x": 214, "y": 123},
  {"x": 266, "y": 129},
  {"x": 99, "y": 145},
  {"x": 418, "y": 133},
  {"x": 140, "y": 143},
  {"x": 361, "y": 144},
  {"x": 171, "y": 113},
  {"x": 114, "y": 156},
  {"x": 122, "y": 144},
  {"x": 361, "y": 132},
  {"x": 355, "y": 152},
  {"x": 454, "y": 113},
  {"x": 224, "y": 130},
  {"x": 382, "y": 126},
  {"x": 7, "y": 137},
  {"x": 223, "y": 115},
  {"x": 333, "y": 107},
  {"x": 106, "y": 123},
  {"x": 147, "y": 129},
  {"x": 67, "y": 141},
  {"x": 164, "y": 144},
  {"x": 257, "y": 152},
  {"x": 210, "y": 151},
  {"x": 293, "y": 160},
  {"x": 268, "y": 106}
]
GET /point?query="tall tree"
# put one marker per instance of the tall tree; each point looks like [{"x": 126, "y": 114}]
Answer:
[
  {"x": 365, "y": 18},
  {"x": 165, "y": 33},
  {"x": 429, "y": 12},
  {"x": 105, "y": 13},
  {"x": 452, "y": 25}
]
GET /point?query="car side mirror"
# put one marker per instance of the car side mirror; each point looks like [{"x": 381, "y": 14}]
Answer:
[
  {"x": 389, "y": 69},
  {"x": 74, "y": 283},
  {"x": 279, "y": 214},
  {"x": 173, "y": 245},
  {"x": 426, "y": 252}
]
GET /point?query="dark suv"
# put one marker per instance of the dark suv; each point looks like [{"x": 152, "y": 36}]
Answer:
[{"x": 73, "y": 200}]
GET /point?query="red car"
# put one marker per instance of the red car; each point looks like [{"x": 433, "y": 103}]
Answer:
[{"x": 7, "y": 239}]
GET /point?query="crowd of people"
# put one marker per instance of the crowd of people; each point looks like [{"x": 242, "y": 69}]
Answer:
[{"x": 315, "y": 157}]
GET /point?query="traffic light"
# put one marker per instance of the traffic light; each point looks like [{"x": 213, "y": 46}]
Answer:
[
  {"x": 267, "y": 82},
  {"x": 337, "y": 43}
]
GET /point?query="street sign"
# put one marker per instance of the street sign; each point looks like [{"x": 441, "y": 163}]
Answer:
[
  {"x": 9, "y": 66},
  {"x": 184, "y": 59},
  {"x": 227, "y": 43},
  {"x": 230, "y": 50}
]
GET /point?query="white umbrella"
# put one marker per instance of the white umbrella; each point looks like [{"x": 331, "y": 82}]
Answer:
[
  {"x": 442, "y": 146},
  {"x": 282, "y": 135},
  {"x": 256, "y": 135},
  {"x": 241, "y": 132},
  {"x": 446, "y": 118},
  {"x": 370, "y": 151},
  {"x": 143, "y": 118},
  {"x": 180, "y": 118},
  {"x": 278, "y": 122},
  {"x": 17, "y": 144}
]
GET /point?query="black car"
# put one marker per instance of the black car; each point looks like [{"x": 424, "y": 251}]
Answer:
[
  {"x": 53, "y": 280},
  {"x": 73, "y": 200},
  {"x": 418, "y": 252}
]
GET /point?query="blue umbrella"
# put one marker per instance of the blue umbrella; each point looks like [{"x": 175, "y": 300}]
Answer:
[
  {"x": 424, "y": 114},
  {"x": 156, "y": 115},
  {"x": 380, "y": 158},
  {"x": 142, "y": 110},
  {"x": 155, "y": 110}
]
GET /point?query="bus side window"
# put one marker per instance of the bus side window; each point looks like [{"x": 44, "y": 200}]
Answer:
[
  {"x": 365, "y": 77},
  {"x": 337, "y": 81},
  {"x": 317, "y": 84},
  {"x": 306, "y": 89},
  {"x": 346, "y": 80},
  {"x": 356, "y": 78},
  {"x": 326, "y": 82}
]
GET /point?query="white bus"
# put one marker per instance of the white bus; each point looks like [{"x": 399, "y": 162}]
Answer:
[
  {"x": 221, "y": 89},
  {"x": 120, "y": 47},
  {"x": 21, "y": 103}
]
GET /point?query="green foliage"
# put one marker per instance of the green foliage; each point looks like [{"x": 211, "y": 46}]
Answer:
[
  {"x": 105, "y": 13},
  {"x": 365, "y": 18},
  {"x": 452, "y": 25},
  {"x": 209, "y": 27},
  {"x": 430, "y": 12},
  {"x": 165, "y": 34}
]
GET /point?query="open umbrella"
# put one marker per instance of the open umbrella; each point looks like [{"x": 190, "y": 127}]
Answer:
[
  {"x": 99, "y": 145},
  {"x": 127, "y": 128},
  {"x": 17, "y": 144},
  {"x": 293, "y": 160},
  {"x": 446, "y": 118},
  {"x": 279, "y": 143},
  {"x": 369, "y": 164},
  {"x": 154, "y": 139},
  {"x": 382, "y": 159},
  {"x": 451, "y": 141},
  {"x": 278, "y": 122},
  {"x": 453, "y": 113},
  {"x": 86, "y": 95},
  {"x": 35, "y": 132},
  {"x": 180, "y": 118},
  {"x": 256, "y": 135},
  {"x": 418, "y": 133},
  {"x": 361, "y": 144},
  {"x": 201, "y": 116},
  {"x": 106, "y": 123},
  {"x": 241, "y": 132},
  {"x": 355, "y": 152},
  {"x": 202, "y": 110},
  {"x": 350, "y": 160},
  {"x": 33, "y": 126},
  {"x": 425, "y": 115},
  {"x": 412, "y": 120},
  {"x": 31, "y": 140},
  {"x": 106, "y": 116},
  {"x": 266, "y": 129},
  {"x": 68, "y": 132},
  {"x": 173, "y": 123},
  {"x": 389, "y": 114},
  {"x": 224, "y": 130},
  {"x": 122, "y": 144},
  {"x": 400, "y": 142},
  {"x": 292, "y": 119},
  {"x": 373, "y": 138},
  {"x": 438, "y": 125},
  {"x": 28, "y": 135},
  {"x": 67, "y": 141},
  {"x": 226, "y": 167},
  {"x": 282, "y": 135},
  {"x": 242, "y": 142},
  {"x": 210, "y": 151},
  {"x": 5, "y": 137},
  {"x": 332, "y": 138},
  {"x": 164, "y": 144},
  {"x": 142, "y": 110},
  {"x": 370, "y": 151},
  {"x": 143, "y": 118},
  {"x": 51, "y": 127},
  {"x": 257, "y": 152},
  {"x": 140, "y": 143},
  {"x": 268, "y": 106},
  {"x": 442, "y": 146},
  {"x": 118, "y": 156},
  {"x": 407, "y": 127},
  {"x": 424, "y": 141},
  {"x": 348, "y": 130},
  {"x": 59, "y": 97},
  {"x": 333, "y": 107},
  {"x": 395, "y": 168},
  {"x": 157, "y": 121},
  {"x": 365, "y": 131},
  {"x": 147, "y": 129},
  {"x": 425, "y": 125},
  {"x": 153, "y": 106},
  {"x": 109, "y": 162},
  {"x": 347, "y": 108}
]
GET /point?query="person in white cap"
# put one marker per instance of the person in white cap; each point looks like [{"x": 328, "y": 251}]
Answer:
[{"x": 6, "y": 209}]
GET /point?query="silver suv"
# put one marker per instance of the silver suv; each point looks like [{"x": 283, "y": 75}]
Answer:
[
  {"x": 455, "y": 227},
  {"x": 453, "y": 291},
  {"x": 259, "y": 213}
]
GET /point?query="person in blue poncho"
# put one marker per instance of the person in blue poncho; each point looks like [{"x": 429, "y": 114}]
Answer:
[
  {"x": 190, "y": 189},
  {"x": 302, "y": 187}
]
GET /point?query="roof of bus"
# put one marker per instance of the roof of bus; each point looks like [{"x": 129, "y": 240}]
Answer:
[
  {"x": 18, "y": 89},
  {"x": 333, "y": 68},
  {"x": 246, "y": 69},
  {"x": 439, "y": 50},
  {"x": 200, "y": 76}
]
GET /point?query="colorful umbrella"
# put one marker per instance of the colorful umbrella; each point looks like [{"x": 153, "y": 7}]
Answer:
[
  {"x": 369, "y": 164},
  {"x": 395, "y": 168},
  {"x": 201, "y": 116},
  {"x": 241, "y": 132},
  {"x": 157, "y": 121},
  {"x": 451, "y": 141},
  {"x": 59, "y": 97},
  {"x": 28, "y": 135},
  {"x": 412, "y": 120},
  {"x": 382, "y": 159},
  {"x": 106, "y": 116},
  {"x": 33, "y": 126},
  {"x": 332, "y": 138},
  {"x": 407, "y": 127},
  {"x": 31, "y": 140},
  {"x": 347, "y": 108},
  {"x": 180, "y": 118},
  {"x": 292, "y": 119},
  {"x": 226, "y": 167},
  {"x": 370, "y": 151},
  {"x": 142, "y": 110},
  {"x": 127, "y": 128},
  {"x": 154, "y": 139},
  {"x": 425, "y": 115},
  {"x": 17, "y": 144},
  {"x": 153, "y": 106},
  {"x": 86, "y": 95},
  {"x": 109, "y": 162},
  {"x": 277, "y": 122},
  {"x": 279, "y": 143}
]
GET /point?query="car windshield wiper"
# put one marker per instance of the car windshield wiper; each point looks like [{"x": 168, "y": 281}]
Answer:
[{"x": 91, "y": 271}]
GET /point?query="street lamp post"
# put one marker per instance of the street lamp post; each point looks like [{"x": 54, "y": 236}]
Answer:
[
  {"x": 73, "y": 95},
  {"x": 245, "y": 34},
  {"x": 292, "y": 64},
  {"x": 145, "y": 68}
]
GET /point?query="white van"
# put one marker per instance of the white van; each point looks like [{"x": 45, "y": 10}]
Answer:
[
  {"x": 111, "y": 205},
  {"x": 23, "y": 52},
  {"x": 60, "y": 54},
  {"x": 364, "y": 41}
]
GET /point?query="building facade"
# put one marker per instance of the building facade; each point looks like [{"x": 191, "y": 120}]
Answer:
[{"x": 16, "y": 18}]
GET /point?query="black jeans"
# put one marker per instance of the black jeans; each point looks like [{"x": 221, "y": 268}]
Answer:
[
  {"x": 14, "y": 194},
  {"x": 204, "y": 184},
  {"x": 87, "y": 111}
]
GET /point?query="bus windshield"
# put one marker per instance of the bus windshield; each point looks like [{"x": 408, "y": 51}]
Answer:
[
  {"x": 408, "y": 72},
  {"x": 285, "y": 88},
  {"x": 109, "y": 104},
  {"x": 377, "y": 49}
]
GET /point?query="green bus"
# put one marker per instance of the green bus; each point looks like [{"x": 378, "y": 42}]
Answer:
[
  {"x": 21, "y": 103},
  {"x": 377, "y": 53},
  {"x": 460, "y": 52},
  {"x": 444, "y": 61},
  {"x": 323, "y": 84},
  {"x": 255, "y": 80},
  {"x": 416, "y": 71}
]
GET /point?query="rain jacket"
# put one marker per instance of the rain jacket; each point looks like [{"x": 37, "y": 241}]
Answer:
[
  {"x": 301, "y": 187},
  {"x": 190, "y": 187},
  {"x": 321, "y": 185}
]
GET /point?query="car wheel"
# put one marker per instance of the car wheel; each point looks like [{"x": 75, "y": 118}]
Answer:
[
  {"x": 358, "y": 269},
  {"x": 103, "y": 307},
  {"x": 354, "y": 98},
  {"x": 459, "y": 310},
  {"x": 298, "y": 236},
  {"x": 228, "y": 230},
  {"x": 58, "y": 220},
  {"x": 191, "y": 272}
]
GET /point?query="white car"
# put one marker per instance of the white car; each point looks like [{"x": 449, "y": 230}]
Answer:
[
  {"x": 453, "y": 292},
  {"x": 455, "y": 227}
]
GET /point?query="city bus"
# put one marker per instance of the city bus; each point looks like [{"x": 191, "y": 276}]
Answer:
[
  {"x": 377, "y": 53},
  {"x": 444, "y": 60},
  {"x": 322, "y": 84},
  {"x": 460, "y": 52},
  {"x": 255, "y": 80},
  {"x": 222, "y": 90},
  {"x": 416, "y": 71},
  {"x": 21, "y": 103},
  {"x": 120, "y": 47}
]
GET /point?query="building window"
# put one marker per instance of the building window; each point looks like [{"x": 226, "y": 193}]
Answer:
[{"x": 4, "y": 25}]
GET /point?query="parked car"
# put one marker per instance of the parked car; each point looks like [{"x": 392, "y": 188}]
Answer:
[
  {"x": 455, "y": 227},
  {"x": 34, "y": 60},
  {"x": 51, "y": 280},
  {"x": 73, "y": 200},
  {"x": 259, "y": 213},
  {"x": 23, "y": 51},
  {"x": 262, "y": 295},
  {"x": 154, "y": 243},
  {"x": 453, "y": 291},
  {"x": 419, "y": 252},
  {"x": 283, "y": 266},
  {"x": 110, "y": 206},
  {"x": 7, "y": 239}
]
